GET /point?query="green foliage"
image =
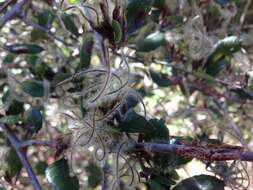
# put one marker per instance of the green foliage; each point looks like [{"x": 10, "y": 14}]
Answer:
[
  {"x": 201, "y": 182},
  {"x": 95, "y": 175},
  {"x": 33, "y": 88},
  {"x": 12, "y": 164},
  {"x": 86, "y": 51},
  {"x": 58, "y": 176},
  {"x": 23, "y": 48},
  {"x": 34, "y": 119}
]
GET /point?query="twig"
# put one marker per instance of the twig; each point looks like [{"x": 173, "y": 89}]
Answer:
[
  {"x": 202, "y": 152},
  {"x": 37, "y": 142},
  {"x": 106, "y": 171},
  {"x": 22, "y": 156},
  {"x": 14, "y": 12},
  {"x": 243, "y": 16}
]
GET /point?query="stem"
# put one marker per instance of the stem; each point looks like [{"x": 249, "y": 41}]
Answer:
[
  {"x": 13, "y": 12},
  {"x": 106, "y": 171},
  {"x": 22, "y": 156},
  {"x": 185, "y": 150}
]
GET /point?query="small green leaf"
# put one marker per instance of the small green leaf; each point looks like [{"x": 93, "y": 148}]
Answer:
[
  {"x": 117, "y": 31},
  {"x": 200, "y": 182},
  {"x": 35, "y": 119},
  {"x": 13, "y": 106},
  {"x": 45, "y": 18},
  {"x": 73, "y": 1},
  {"x": 222, "y": 49},
  {"x": 135, "y": 123},
  {"x": 10, "y": 119},
  {"x": 37, "y": 35},
  {"x": 23, "y": 48},
  {"x": 70, "y": 24},
  {"x": 160, "y": 79},
  {"x": 12, "y": 163},
  {"x": 59, "y": 178},
  {"x": 86, "y": 51},
  {"x": 151, "y": 42},
  {"x": 9, "y": 59},
  {"x": 95, "y": 175},
  {"x": 33, "y": 88}
]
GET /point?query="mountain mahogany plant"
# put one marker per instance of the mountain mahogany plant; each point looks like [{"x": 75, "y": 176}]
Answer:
[{"x": 126, "y": 94}]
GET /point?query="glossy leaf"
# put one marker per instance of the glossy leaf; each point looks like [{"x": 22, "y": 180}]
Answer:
[
  {"x": 117, "y": 31},
  {"x": 222, "y": 49},
  {"x": 151, "y": 42},
  {"x": 33, "y": 88},
  {"x": 35, "y": 119},
  {"x": 23, "y": 48},
  {"x": 59, "y": 178},
  {"x": 200, "y": 182}
]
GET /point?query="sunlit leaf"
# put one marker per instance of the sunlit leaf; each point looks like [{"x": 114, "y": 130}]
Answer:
[
  {"x": 200, "y": 182},
  {"x": 59, "y": 178},
  {"x": 151, "y": 42}
]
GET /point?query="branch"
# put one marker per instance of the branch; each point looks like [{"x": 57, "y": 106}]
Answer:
[
  {"x": 202, "y": 152},
  {"x": 106, "y": 171},
  {"x": 22, "y": 156},
  {"x": 13, "y": 12}
]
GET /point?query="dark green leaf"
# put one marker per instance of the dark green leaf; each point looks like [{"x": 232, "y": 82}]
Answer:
[
  {"x": 153, "y": 185},
  {"x": 95, "y": 175},
  {"x": 10, "y": 119},
  {"x": 41, "y": 167},
  {"x": 13, "y": 106},
  {"x": 117, "y": 31},
  {"x": 35, "y": 119},
  {"x": 160, "y": 79},
  {"x": 23, "y": 48},
  {"x": 59, "y": 178},
  {"x": 136, "y": 13},
  {"x": 12, "y": 163},
  {"x": 151, "y": 42},
  {"x": 86, "y": 51},
  {"x": 45, "y": 18},
  {"x": 160, "y": 4},
  {"x": 201, "y": 182},
  {"x": 135, "y": 123},
  {"x": 37, "y": 35},
  {"x": 33, "y": 88},
  {"x": 70, "y": 24},
  {"x": 222, "y": 49},
  {"x": 159, "y": 132},
  {"x": 9, "y": 59}
]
